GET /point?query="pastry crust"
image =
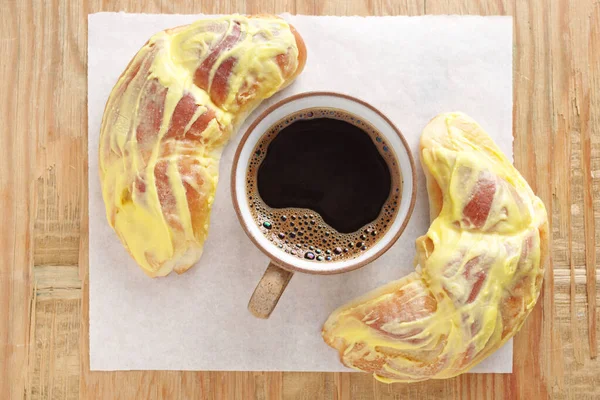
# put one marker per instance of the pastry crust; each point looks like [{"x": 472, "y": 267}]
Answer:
[
  {"x": 480, "y": 267},
  {"x": 167, "y": 119}
]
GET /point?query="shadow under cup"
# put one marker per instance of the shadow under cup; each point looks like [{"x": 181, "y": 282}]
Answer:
[{"x": 297, "y": 230}]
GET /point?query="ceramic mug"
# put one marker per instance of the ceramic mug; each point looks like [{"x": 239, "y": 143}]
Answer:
[{"x": 283, "y": 265}]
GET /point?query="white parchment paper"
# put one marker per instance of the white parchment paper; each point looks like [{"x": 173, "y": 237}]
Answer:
[{"x": 411, "y": 68}]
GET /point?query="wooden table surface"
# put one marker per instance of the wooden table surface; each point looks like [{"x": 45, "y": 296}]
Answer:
[{"x": 43, "y": 228}]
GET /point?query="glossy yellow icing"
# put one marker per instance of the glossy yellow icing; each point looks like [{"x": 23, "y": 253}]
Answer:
[
  {"x": 476, "y": 281},
  {"x": 161, "y": 243}
]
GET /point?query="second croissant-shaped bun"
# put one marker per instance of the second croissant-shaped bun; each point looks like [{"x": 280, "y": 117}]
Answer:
[{"x": 480, "y": 267}]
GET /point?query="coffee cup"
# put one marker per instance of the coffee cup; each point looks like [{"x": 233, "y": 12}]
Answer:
[{"x": 322, "y": 183}]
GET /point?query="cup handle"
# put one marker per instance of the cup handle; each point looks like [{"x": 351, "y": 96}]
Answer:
[{"x": 269, "y": 290}]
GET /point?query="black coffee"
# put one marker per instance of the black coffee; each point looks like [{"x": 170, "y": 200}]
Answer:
[
  {"x": 323, "y": 185},
  {"x": 329, "y": 166}
]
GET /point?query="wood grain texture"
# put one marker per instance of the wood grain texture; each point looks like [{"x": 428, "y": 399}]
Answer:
[
  {"x": 16, "y": 187},
  {"x": 43, "y": 186}
]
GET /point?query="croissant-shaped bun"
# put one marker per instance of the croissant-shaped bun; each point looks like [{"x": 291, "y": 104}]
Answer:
[
  {"x": 167, "y": 119},
  {"x": 480, "y": 267}
]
